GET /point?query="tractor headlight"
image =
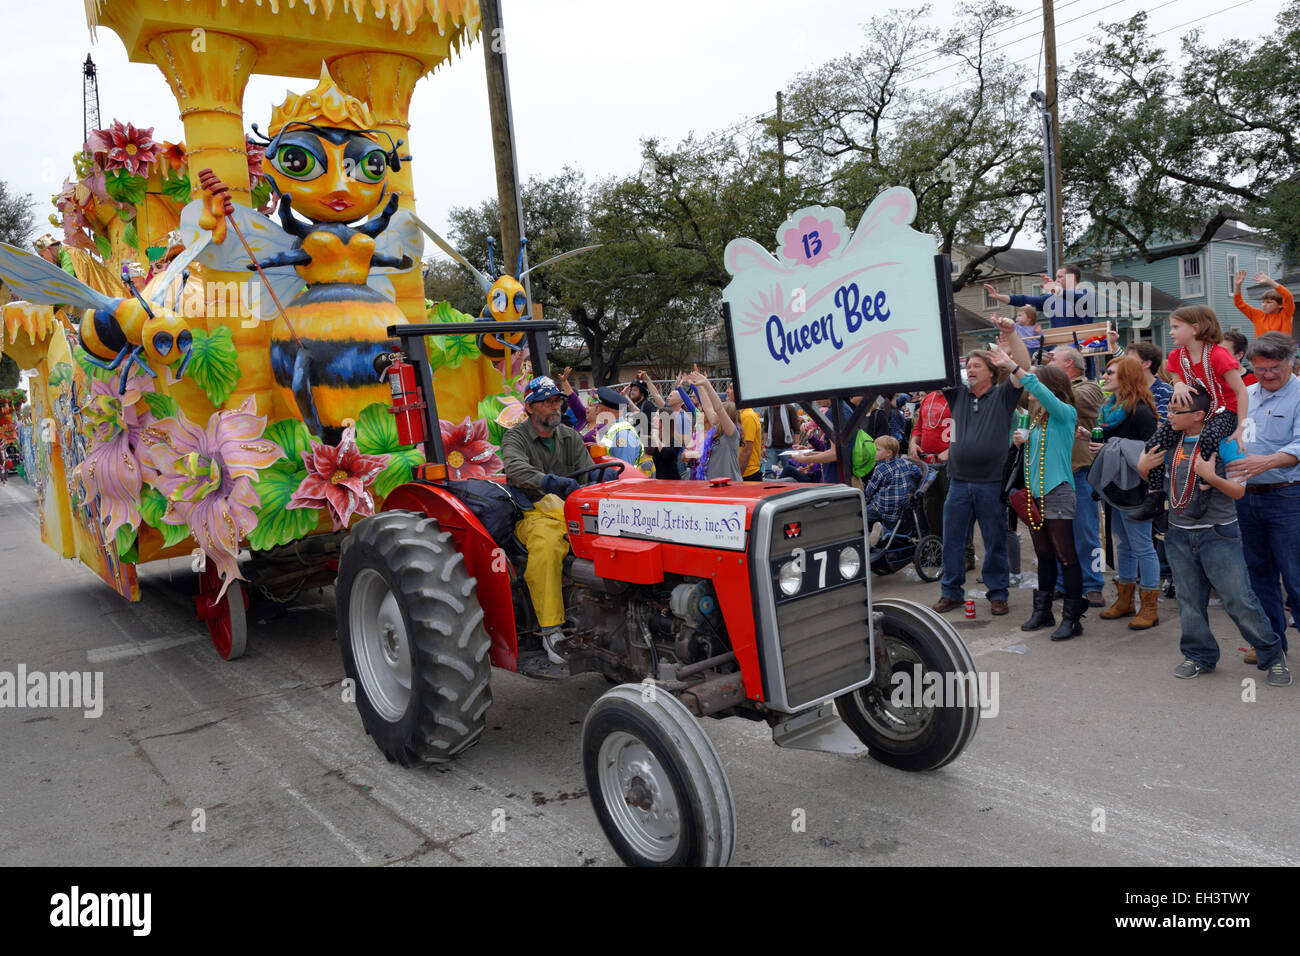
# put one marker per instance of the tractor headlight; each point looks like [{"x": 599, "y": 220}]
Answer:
[
  {"x": 790, "y": 578},
  {"x": 850, "y": 563}
]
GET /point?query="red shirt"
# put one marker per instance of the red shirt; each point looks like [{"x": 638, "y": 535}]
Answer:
[
  {"x": 1249, "y": 379},
  {"x": 1221, "y": 362},
  {"x": 933, "y": 429}
]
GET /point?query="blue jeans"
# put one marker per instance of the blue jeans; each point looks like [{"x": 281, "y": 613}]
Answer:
[
  {"x": 1271, "y": 523},
  {"x": 968, "y": 502},
  {"x": 1135, "y": 554},
  {"x": 1087, "y": 535},
  {"x": 1212, "y": 557}
]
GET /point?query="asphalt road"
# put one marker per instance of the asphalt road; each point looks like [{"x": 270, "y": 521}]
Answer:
[{"x": 1184, "y": 772}]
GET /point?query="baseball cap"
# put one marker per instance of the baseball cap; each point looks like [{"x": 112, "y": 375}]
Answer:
[{"x": 540, "y": 389}]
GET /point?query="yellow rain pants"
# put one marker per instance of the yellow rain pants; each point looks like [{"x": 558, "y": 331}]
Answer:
[{"x": 542, "y": 532}]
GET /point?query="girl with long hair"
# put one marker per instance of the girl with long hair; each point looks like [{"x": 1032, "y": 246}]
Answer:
[
  {"x": 1049, "y": 481},
  {"x": 1130, "y": 412}
]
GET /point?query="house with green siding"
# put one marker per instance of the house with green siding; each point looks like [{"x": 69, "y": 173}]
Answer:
[{"x": 1200, "y": 278}]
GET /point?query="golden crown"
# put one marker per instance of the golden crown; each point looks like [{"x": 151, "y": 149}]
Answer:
[{"x": 326, "y": 105}]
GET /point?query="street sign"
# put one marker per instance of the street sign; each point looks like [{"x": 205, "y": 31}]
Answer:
[{"x": 838, "y": 312}]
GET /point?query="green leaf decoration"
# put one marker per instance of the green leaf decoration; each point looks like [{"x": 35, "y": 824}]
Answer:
[
  {"x": 215, "y": 364},
  {"x": 261, "y": 192},
  {"x": 276, "y": 523},
  {"x": 177, "y": 187},
  {"x": 457, "y": 348},
  {"x": 130, "y": 236},
  {"x": 162, "y": 406},
  {"x": 445, "y": 312},
  {"x": 292, "y": 436},
  {"x": 376, "y": 430},
  {"x": 398, "y": 471},
  {"x": 488, "y": 410},
  {"x": 126, "y": 549},
  {"x": 122, "y": 186},
  {"x": 152, "y": 508},
  {"x": 103, "y": 246},
  {"x": 92, "y": 370},
  {"x": 61, "y": 373}
]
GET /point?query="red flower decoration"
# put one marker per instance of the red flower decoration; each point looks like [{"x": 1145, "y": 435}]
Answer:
[
  {"x": 338, "y": 478},
  {"x": 256, "y": 154},
  {"x": 469, "y": 453},
  {"x": 125, "y": 147}
]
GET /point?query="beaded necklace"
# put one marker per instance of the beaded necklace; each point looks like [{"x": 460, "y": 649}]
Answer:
[
  {"x": 1184, "y": 497},
  {"x": 1039, "y": 422},
  {"x": 1212, "y": 385}
]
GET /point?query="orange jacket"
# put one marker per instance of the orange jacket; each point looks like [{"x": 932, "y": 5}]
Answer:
[{"x": 1263, "y": 321}]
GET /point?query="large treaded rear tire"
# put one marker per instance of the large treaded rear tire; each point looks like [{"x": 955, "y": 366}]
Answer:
[{"x": 412, "y": 638}]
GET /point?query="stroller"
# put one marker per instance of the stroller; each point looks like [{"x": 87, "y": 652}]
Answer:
[{"x": 909, "y": 539}]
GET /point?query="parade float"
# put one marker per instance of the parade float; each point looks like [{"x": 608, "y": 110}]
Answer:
[{"x": 204, "y": 379}]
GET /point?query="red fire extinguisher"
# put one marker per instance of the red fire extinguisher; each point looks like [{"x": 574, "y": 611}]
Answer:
[{"x": 408, "y": 404}]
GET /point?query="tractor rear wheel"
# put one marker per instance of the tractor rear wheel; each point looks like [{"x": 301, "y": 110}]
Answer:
[
  {"x": 927, "y": 718},
  {"x": 656, "y": 780},
  {"x": 412, "y": 638}
]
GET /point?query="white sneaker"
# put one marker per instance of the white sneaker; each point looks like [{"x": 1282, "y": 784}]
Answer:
[
  {"x": 877, "y": 530},
  {"x": 550, "y": 637}
]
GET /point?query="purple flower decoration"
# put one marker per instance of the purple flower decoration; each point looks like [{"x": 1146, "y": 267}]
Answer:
[
  {"x": 207, "y": 475},
  {"x": 113, "y": 470}
]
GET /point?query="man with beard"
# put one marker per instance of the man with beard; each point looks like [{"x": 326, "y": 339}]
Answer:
[{"x": 539, "y": 454}]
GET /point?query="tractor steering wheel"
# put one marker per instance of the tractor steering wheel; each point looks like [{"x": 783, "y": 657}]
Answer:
[{"x": 583, "y": 472}]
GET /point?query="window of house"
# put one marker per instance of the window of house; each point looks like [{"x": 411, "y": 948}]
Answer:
[
  {"x": 1264, "y": 264},
  {"x": 1191, "y": 283},
  {"x": 1232, "y": 271}
]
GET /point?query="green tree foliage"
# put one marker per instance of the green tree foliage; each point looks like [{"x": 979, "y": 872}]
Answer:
[
  {"x": 445, "y": 281},
  {"x": 1155, "y": 150},
  {"x": 16, "y": 219},
  {"x": 970, "y": 151}
]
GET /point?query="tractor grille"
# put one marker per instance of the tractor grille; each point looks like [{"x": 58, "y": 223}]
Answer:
[{"x": 816, "y": 643}]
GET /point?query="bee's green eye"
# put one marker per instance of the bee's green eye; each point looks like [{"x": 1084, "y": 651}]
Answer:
[
  {"x": 372, "y": 167},
  {"x": 297, "y": 162}
]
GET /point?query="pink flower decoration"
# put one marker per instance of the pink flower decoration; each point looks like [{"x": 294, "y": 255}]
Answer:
[
  {"x": 114, "y": 468},
  {"x": 256, "y": 154},
  {"x": 339, "y": 478},
  {"x": 207, "y": 475},
  {"x": 810, "y": 241},
  {"x": 469, "y": 453},
  {"x": 125, "y": 147}
]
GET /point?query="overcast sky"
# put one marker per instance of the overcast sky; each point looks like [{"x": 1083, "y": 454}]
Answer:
[{"x": 590, "y": 78}]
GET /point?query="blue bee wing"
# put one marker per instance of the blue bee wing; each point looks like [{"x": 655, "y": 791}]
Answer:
[
  {"x": 45, "y": 283},
  {"x": 265, "y": 237},
  {"x": 401, "y": 237}
]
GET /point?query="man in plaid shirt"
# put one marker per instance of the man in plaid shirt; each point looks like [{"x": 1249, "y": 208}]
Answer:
[{"x": 890, "y": 487}]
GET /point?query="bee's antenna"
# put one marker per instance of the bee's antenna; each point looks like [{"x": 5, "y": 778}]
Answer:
[
  {"x": 126, "y": 280},
  {"x": 523, "y": 242},
  {"x": 492, "y": 267}
]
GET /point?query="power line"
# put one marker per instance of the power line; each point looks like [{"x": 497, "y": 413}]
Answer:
[{"x": 1014, "y": 22}]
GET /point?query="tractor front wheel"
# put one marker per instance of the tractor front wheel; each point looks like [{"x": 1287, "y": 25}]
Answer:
[
  {"x": 412, "y": 638},
  {"x": 923, "y": 707},
  {"x": 656, "y": 780}
]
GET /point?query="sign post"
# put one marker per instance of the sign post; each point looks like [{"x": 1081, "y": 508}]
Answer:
[{"x": 836, "y": 313}]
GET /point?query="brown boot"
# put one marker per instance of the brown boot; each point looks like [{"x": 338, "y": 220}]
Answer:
[
  {"x": 1148, "y": 616},
  {"x": 1123, "y": 605}
]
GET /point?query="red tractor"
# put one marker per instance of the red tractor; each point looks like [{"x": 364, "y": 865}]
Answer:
[{"x": 700, "y": 599}]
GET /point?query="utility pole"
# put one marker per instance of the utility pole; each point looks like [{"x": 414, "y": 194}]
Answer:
[
  {"x": 1055, "y": 252},
  {"x": 780, "y": 152},
  {"x": 510, "y": 202},
  {"x": 90, "y": 99}
]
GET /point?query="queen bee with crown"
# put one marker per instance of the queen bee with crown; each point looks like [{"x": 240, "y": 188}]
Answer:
[{"x": 326, "y": 161}]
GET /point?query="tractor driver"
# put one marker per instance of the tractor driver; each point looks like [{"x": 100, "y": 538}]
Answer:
[{"x": 538, "y": 453}]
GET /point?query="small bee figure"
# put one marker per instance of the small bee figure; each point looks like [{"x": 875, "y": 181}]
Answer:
[
  {"x": 116, "y": 333},
  {"x": 507, "y": 300}
]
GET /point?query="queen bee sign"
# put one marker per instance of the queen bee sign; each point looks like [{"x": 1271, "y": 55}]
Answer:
[{"x": 835, "y": 312}]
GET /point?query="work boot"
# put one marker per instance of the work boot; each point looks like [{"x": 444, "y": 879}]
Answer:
[
  {"x": 1042, "y": 616},
  {"x": 1123, "y": 605},
  {"x": 1072, "y": 611},
  {"x": 1152, "y": 505},
  {"x": 1149, "y": 615}
]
